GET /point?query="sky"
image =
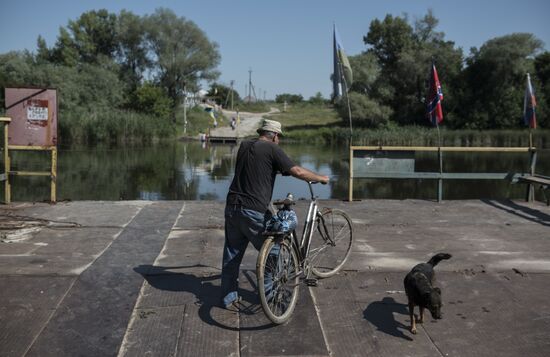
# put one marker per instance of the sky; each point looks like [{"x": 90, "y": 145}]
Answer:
[{"x": 286, "y": 43}]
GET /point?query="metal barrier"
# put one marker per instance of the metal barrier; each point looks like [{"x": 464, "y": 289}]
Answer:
[{"x": 397, "y": 162}]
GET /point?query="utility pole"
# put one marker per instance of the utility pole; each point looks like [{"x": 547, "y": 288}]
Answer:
[
  {"x": 254, "y": 92},
  {"x": 184, "y": 108},
  {"x": 249, "y": 84},
  {"x": 232, "y": 82}
]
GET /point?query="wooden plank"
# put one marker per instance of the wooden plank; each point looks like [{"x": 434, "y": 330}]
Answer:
[
  {"x": 27, "y": 303},
  {"x": 110, "y": 286}
]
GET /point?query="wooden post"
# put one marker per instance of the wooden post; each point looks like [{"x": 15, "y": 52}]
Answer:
[
  {"x": 53, "y": 188},
  {"x": 7, "y": 164},
  {"x": 350, "y": 194},
  {"x": 530, "y": 196},
  {"x": 440, "y": 180},
  {"x": 440, "y": 156}
]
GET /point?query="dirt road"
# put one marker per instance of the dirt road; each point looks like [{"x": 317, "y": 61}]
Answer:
[{"x": 249, "y": 123}]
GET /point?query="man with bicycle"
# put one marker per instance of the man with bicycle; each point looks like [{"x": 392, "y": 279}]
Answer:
[{"x": 246, "y": 210}]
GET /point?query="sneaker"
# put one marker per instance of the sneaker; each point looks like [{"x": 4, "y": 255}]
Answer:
[{"x": 234, "y": 306}]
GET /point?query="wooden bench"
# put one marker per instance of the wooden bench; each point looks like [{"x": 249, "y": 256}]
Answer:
[{"x": 533, "y": 180}]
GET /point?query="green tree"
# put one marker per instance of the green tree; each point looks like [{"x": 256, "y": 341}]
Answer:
[
  {"x": 43, "y": 53},
  {"x": 15, "y": 69},
  {"x": 65, "y": 51},
  {"x": 222, "y": 94},
  {"x": 92, "y": 38},
  {"x": 404, "y": 55},
  {"x": 94, "y": 35},
  {"x": 494, "y": 81},
  {"x": 182, "y": 53},
  {"x": 389, "y": 38},
  {"x": 153, "y": 100},
  {"x": 317, "y": 99},
  {"x": 132, "y": 48},
  {"x": 289, "y": 98},
  {"x": 542, "y": 83},
  {"x": 366, "y": 71},
  {"x": 365, "y": 112}
]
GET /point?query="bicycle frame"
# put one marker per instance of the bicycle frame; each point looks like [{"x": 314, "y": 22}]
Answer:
[{"x": 302, "y": 246}]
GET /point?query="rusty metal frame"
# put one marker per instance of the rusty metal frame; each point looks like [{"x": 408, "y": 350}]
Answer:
[
  {"x": 5, "y": 175},
  {"x": 7, "y": 165}
]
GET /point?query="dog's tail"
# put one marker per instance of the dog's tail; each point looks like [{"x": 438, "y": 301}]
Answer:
[{"x": 439, "y": 257}]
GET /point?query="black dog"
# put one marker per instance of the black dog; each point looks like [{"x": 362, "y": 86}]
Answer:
[{"x": 420, "y": 292}]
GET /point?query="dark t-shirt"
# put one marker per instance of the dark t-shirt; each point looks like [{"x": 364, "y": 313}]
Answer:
[{"x": 258, "y": 162}]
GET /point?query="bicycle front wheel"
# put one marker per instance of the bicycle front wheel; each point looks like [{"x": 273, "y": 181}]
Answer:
[
  {"x": 277, "y": 270},
  {"x": 330, "y": 243}
]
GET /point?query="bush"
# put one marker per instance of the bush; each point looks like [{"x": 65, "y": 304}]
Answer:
[
  {"x": 114, "y": 126},
  {"x": 365, "y": 112},
  {"x": 198, "y": 121},
  {"x": 317, "y": 99},
  {"x": 289, "y": 98},
  {"x": 151, "y": 99}
]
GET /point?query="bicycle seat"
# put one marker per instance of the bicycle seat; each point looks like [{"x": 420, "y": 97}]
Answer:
[{"x": 288, "y": 201}]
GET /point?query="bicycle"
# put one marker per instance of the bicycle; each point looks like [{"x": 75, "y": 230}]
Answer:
[{"x": 323, "y": 250}]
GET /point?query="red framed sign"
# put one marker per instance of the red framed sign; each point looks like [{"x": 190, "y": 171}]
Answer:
[{"x": 33, "y": 113}]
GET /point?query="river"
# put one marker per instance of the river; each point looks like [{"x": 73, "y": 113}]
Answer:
[{"x": 195, "y": 171}]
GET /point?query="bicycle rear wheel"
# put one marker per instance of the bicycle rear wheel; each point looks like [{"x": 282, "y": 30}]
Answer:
[
  {"x": 330, "y": 243},
  {"x": 277, "y": 270}
]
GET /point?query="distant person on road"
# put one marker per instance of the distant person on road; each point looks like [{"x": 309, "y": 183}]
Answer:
[
  {"x": 233, "y": 123},
  {"x": 246, "y": 211}
]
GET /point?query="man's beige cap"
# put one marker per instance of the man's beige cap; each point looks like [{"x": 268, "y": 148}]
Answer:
[{"x": 271, "y": 125}]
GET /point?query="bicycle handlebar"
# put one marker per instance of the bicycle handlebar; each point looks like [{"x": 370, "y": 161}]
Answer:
[{"x": 314, "y": 182}]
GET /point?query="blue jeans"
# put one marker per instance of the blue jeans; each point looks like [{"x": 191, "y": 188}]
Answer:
[{"x": 241, "y": 226}]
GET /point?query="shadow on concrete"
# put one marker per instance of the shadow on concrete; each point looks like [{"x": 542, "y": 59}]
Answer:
[
  {"x": 206, "y": 289},
  {"x": 525, "y": 212},
  {"x": 380, "y": 314}
]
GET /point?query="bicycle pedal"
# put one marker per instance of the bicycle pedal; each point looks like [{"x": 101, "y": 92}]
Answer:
[{"x": 311, "y": 282}]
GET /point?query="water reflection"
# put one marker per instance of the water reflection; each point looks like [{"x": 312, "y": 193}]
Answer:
[{"x": 192, "y": 171}]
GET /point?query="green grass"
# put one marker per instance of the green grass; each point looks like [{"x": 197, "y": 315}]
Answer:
[
  {"x": 198, "y": 121},
  {"x": 320, "y": 124},
  {"x": 111, "y": 126},
  {"x": 420, "y": 136},
  {"x": 307, "y": 116},
  {"x": 258, "y": 107}
]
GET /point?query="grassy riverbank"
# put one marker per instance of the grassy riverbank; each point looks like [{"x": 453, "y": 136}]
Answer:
[
  {"x": 304, "y": 123},
  {"x": 308, "y": 123},
  {"x": 420, "y": 136}
]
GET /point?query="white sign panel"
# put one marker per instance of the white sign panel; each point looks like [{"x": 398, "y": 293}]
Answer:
[{"x": 37, "y": 113}]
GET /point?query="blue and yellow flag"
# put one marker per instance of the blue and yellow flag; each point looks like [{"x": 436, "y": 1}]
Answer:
[{"x": 343, "y": 75}]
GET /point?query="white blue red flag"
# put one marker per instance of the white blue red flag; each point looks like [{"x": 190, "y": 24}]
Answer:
[
  {"x": 529, "y": 105},
  {"x": 434, "y": 111}
]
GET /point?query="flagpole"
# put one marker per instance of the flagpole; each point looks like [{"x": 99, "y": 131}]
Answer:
[
  {"x": 348, "y": 103},
  {"x": 440, "y": 154},
  {"x": 342, "y": 79}
]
